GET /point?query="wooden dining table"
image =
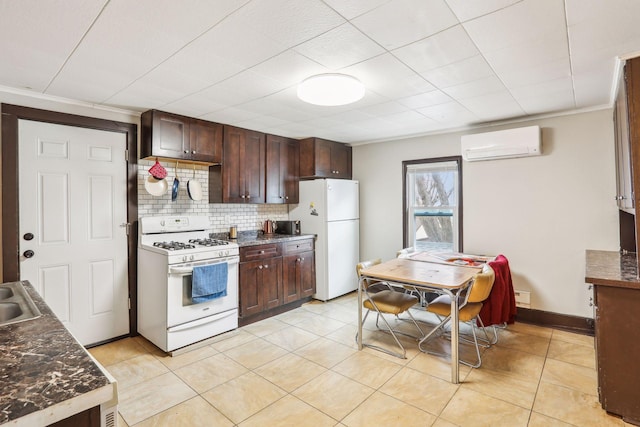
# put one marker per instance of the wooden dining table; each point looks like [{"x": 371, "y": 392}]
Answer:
[{"x": 423, "y": 275}]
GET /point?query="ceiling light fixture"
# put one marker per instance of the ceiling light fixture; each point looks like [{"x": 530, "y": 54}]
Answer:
[{"x": 331, "y": 89}]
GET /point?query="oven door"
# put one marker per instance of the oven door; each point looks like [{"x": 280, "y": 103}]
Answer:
[{"x": 181, "y": 309}]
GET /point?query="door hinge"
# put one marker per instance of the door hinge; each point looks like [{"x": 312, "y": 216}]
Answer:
[
  {"x": 126, "y": 226},
  {"x": 126, "y": 155},
  {"x": 129, "y": 302}
]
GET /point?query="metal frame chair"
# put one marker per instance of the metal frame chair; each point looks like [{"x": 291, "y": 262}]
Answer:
[
  {"x": 468, "y": 312},
  {"x": 386, "y": 301}
]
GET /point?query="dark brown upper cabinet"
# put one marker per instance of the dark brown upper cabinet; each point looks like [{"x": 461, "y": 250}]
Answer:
[
  {"x": 241, "y": 178},
  {"x": 178, "y": 137},
  {"x": 321, "y": 158},
  {"x": 283, "y": 172}
]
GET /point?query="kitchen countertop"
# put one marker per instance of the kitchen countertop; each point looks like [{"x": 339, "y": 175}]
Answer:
[
  {"x": 611, "y": 268},
  {"x": 252, "y": 238},
  {"x": 46, "y": 374}
]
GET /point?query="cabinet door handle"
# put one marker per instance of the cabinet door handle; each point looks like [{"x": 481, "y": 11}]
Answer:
[
  {"x": 286, "y": 197},
  {"x": 261, "y": 252},
  {"x": 242, "y": 196},
  {"x": 260, "y": 267},
  {"x": 266, "y": 266},
  {"x": 186, "y": 151},
  {"x": 193, "y": 152}
]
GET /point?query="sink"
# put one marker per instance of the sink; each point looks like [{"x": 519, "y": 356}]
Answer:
[
  {"x": 5, "y": 293},
  {"x": 9, "y": 311},
  {"x": 15, "y": 304}
]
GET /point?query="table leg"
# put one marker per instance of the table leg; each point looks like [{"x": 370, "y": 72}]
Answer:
[
  {"x": 360, "y": 313},
  {"x": 455, "y": 326}
]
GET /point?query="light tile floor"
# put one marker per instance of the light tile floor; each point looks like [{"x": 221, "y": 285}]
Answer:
[{"x": 302, "y": 368}]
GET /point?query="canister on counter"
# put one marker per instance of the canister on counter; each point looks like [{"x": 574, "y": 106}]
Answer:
[{"x": 233, "y": 232}]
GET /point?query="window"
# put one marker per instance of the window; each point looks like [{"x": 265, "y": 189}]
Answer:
[{"x": 433, "y": 204}]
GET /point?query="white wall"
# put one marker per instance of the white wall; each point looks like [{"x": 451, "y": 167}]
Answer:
[{"x": 542, "y": 212}]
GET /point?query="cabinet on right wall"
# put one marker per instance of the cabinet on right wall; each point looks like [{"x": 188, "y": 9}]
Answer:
[{"x": 321, "y": 158}]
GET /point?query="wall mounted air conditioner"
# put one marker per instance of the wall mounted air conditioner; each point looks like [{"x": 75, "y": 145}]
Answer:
[{"x": 519, "y": 142}]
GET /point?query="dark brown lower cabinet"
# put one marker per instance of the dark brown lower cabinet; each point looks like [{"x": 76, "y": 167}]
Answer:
[
  {"x": 617, "y": 324},
  {"x": 274, "y": 275},
  {"x": 261, "y": 285}
]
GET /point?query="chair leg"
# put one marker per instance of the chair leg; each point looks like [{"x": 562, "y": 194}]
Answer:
[
  {"x": 475, "y": 340},
  {"x": 489, "y": 341},
  {"x": 402, "y": 355},
  {"x": 433, "y": 331}
]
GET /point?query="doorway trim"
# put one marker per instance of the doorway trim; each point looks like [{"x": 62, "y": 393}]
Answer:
[{"x": 10, "y": 187}]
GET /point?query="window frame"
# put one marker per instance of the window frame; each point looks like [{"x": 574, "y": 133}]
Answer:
[{"x": 405, "y": 208}]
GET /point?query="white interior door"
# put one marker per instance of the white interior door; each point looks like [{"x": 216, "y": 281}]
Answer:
[{"x": 73, "y": 200}]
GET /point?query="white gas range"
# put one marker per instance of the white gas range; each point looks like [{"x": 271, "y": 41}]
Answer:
[{"x": 169, "y": 248}]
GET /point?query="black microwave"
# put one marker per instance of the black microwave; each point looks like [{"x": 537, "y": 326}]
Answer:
[{"x": 288, "y": 227}]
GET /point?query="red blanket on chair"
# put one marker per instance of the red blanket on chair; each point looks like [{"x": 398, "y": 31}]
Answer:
[{"x": 500, "y": 307}]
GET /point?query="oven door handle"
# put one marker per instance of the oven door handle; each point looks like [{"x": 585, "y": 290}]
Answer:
[
  {"x": 188, "y": 269},
  {"x": 180, "y": 270}
]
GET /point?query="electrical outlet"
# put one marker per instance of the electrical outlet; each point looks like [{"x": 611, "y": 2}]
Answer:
[{"x": 523, "y": 299}]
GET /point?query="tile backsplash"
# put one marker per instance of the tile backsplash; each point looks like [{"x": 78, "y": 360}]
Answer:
[{"x": 221, "y": 215}]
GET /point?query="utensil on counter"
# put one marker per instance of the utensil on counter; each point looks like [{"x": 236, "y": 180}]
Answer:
[
  {"x": 176, "y": 186},
  {"x": 156, "y": 187},
  {"x": 193, "y": 187}
]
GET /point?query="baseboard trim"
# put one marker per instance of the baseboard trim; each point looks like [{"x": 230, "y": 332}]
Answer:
[
  {"x": 244, "y": 321},
  {"x": 576, "y": 324}
]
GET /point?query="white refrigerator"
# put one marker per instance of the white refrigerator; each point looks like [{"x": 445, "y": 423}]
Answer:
[{"x": 329, "y": 208}]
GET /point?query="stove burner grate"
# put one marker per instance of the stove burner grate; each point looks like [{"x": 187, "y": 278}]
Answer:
[
  {"x": 173, "y": 246},
  {"x": 209, "y": 242}
]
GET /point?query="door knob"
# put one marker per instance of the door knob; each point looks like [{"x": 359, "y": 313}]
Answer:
[
  {"x": 28, "y": 253},
  {"x": 28, "y": 236}
]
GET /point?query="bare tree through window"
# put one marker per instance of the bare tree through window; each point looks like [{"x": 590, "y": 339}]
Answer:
[{"x": 432, "y": 204}]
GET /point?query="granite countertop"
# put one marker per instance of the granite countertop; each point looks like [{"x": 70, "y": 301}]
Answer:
[
  {"x": 610, "y": 268},
  {"x": 253, "y": 238},
  {"x": 46, "y": 374}
]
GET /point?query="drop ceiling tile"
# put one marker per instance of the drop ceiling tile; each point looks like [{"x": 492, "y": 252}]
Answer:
[
  {"x": 131, "y": 38},
  {"x": 387, "y": 76},
  {"x": 466, "y": 10},
  {"x": 144, "y": 96},
  {"x": 602, "y": 25},
  {"x": 405, "y": 117},
  {"x": 593, "y": 87},
  {"x": 261, "y": 122},
  {"x": 530, "y": 54},
  {"x": 555, "y": 95},
  {"x": 289, "y": 67},
  {"x": 350, "y": 116},
  {"x": 447, "y": 113},
  {"x": 460, "y": 72},
  {"x": 230, "y": 116},
  {"x": 338, "y": 48},
  {"x": 384, "y": 108},
  {"x": 288, "y": 22},
  {"x": 400, "y": 22},
  {"x": 193, "y": 105},
  {"x": 449, "y": 46},
  {"x": 478, "y": 87},
  {"x": 352, "y": 8},
  {"x": 32, "y": 45},
  {"x": 426, "y": 99},
  {"x": 536, "y": 74},
  {"x": 249, "y": 85},
  {"x": 494, "y": 106},
  {"x": 522, "y": 23}
]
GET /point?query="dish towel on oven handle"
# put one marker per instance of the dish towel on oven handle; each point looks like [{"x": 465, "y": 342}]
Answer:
[{"x": 209, "y": 282}]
